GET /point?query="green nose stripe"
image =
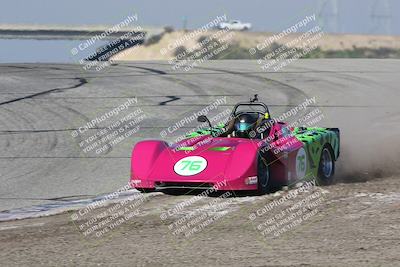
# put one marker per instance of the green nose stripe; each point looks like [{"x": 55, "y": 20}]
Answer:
[
  {"x": 221, "y": 148},
  {"x": 186, "y": 148}
]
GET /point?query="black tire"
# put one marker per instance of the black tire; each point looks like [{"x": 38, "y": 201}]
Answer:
[
  {"x": 326, "y": 168},
  {"x": 144, "y": 190},
  {"x": 175, "y": 192},
  {"x": 263, "y": 180}
]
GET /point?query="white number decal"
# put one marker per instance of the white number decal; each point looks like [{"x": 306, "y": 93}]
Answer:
[
  {"x": 190, "y": 165},
  {"x": 301, "y": 163}
]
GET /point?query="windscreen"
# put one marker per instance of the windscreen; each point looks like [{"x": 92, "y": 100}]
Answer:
[{"x": 250, "y": 108}]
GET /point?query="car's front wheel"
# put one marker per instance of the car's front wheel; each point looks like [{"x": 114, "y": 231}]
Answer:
[{"x": 262, "y": 176}]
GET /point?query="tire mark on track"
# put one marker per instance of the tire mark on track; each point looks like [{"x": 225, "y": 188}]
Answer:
[
  {"x": 173, "y": 98},
  {"x": 82, "y": 81},
  {"x": 293, "y": 94},
  {"x": 151, "y": 70},
  {"x": 124, "y": 97},
  {"x": 197, "y": 89}
]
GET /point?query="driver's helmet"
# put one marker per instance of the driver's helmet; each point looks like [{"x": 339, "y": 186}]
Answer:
[{"x": 244, "y": 123}]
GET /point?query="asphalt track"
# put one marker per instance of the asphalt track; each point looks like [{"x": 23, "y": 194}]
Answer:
[{"x": 42, "y": 104}]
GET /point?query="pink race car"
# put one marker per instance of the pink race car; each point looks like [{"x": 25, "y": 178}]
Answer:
[{"x": 250, "y": 152}]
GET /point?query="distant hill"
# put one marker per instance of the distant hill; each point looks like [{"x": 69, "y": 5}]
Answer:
[{"x": 329, "y": 45}]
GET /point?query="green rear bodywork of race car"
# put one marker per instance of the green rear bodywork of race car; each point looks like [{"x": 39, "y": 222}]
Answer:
[{"x": 314, "y": 139}]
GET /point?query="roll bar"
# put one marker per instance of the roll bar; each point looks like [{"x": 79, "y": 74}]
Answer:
[{"x": 250, "y": 104}]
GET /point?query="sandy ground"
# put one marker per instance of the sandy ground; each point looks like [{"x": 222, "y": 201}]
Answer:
[{"x": 354, "y": 224}]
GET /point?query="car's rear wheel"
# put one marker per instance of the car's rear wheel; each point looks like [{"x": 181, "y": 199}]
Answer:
[
  {"x": 262, "y": 176},
  {"x": 326, "y": 169}
]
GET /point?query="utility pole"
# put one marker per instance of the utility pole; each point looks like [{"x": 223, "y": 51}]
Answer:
[{"x": 184, "y": 22}]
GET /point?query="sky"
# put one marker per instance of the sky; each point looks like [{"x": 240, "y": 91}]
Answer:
[{"x": 349, "y": 16}]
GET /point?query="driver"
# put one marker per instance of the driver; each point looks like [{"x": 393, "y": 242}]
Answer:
[{"x": 244, "y": 123}]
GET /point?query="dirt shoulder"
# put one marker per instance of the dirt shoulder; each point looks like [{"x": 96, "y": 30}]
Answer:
[{"x": 346, "y": 224}]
